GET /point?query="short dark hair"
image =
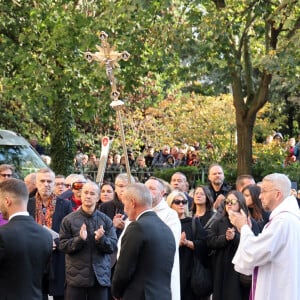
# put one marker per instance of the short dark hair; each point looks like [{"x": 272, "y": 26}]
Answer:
[{"x": 16, "y": 187}]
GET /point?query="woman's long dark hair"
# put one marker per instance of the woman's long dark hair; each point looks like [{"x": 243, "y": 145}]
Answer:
[
  {"x": 208, "y": 199},
  {"x": 257, "y": 209}
]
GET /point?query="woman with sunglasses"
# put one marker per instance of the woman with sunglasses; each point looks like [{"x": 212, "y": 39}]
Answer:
[
  {"x": 189, "y": 243},
  {"x": 223, "y": 238},
  {"x": 75, "y": 197}
]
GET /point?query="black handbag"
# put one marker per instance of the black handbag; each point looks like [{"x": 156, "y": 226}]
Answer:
[
  {"x": 201, "y": 278},
  {"x": 245, "y": 280}
]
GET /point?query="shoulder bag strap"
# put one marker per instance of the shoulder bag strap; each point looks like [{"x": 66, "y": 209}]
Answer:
[{"x": 210, "y": 221}]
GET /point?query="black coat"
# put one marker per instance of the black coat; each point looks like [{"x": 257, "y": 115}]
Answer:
[
  {"x": 227, "y": 284},
  {"x": 87, "y": 259},
  {"x": 143, "y": 270},
  {"x": 25, "y": 251},
  {"x": 186, "y": 255},
  {"x": 56, "y": 284},
  {"x": 111, "y": 208}
]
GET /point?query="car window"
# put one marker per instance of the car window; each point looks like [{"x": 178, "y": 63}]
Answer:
[{"x": 23, "y": 158}]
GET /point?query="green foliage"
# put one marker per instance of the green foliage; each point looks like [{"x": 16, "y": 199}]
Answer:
[
  {"x": 63, "y": 142},
  {"x": 293, "y": 171},
  {"x": 270, "y": 159},
  {"x": 175, "y": 46},
  {"x": 267, "y": 159}
]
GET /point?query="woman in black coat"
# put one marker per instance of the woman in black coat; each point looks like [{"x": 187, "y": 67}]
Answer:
[
  {"x": 223, "y": 239},
  {"x": 189, "y": 243}
]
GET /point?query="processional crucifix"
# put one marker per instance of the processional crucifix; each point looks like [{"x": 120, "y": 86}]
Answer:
[{"x": 107, "y": 56}]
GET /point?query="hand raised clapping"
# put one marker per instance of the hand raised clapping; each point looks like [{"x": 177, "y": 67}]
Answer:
[
  {"x": 83, "y": 232},
  {"x": 99, "y": 233}
]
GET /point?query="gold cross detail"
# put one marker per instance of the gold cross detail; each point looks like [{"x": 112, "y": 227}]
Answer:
[{"x": 107, "y": 56}]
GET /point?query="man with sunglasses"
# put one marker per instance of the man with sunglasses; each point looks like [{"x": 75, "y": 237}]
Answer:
[
  {"x": 272, "y": 256},
  {"x": 48, "y": 210},
  {"x": 6, "y": 172}
]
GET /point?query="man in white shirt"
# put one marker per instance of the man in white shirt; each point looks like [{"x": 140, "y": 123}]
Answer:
[
  {"x": 273, "y": 256},
  {"x": 170, "y": 217}
]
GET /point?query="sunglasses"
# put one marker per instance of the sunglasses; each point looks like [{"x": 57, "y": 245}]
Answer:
[
  {"x": 230, "y": 201},
  {"x": 78, "y": 185},
  {"x": 177, "y": 202},
  {"x": 6, "y": 175}
]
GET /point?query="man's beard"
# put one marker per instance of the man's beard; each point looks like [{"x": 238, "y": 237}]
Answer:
[{"x": 218, "y": 182}]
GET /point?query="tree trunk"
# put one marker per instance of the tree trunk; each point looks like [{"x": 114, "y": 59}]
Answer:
[{"x": 245, "y": 127}]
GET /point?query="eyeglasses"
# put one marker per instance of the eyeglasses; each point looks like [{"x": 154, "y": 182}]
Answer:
[
  {"x": 59, "y": 183},
  {"x": 6, "y": 175},
  {"x": 78, "y": 185},
  {"x": 230, "y": 201},
  {"x": 67, "y": 186},
  {"x": 177, "y": 202},
  {"x": 264, "y": 192}
]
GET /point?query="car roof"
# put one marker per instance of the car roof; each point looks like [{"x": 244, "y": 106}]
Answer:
[{"x": 8, "y": 137}]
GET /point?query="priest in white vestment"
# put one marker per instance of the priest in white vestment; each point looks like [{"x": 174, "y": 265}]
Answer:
[{"x": 272, "y": 257}]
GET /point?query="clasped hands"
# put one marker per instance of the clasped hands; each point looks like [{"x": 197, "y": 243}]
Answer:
[
  {"x": 98, "y": 233},
  {"x": 183, "y": 239}
]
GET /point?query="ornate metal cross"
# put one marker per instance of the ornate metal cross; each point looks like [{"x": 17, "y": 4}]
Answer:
[{"x": 107, "y": 56}]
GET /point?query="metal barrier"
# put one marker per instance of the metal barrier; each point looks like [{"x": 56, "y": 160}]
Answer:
[{"x": 142, "y": 176}]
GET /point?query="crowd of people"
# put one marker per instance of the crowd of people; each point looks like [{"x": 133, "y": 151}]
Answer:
[
  {"x": 291, "y": 147},
  {"x": 143, "y": 165},
  {"x": 130, "y": 239}
]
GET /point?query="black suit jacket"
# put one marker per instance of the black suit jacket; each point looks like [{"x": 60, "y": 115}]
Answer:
[
  {"x": 143, "y": 270},
  {"x": 56, "y": 279},
  {"x": 25, "y": 251}
]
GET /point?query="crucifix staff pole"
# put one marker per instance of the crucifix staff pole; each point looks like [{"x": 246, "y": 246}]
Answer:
[{"x": 108, "y": 57}]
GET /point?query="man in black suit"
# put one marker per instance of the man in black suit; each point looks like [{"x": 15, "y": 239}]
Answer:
[
  {"x": 25, "y": 247},
  {"x": 143, "y": 270}
]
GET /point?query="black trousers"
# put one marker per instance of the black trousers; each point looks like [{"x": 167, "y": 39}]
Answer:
[{"x": 95, "y": 292}]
